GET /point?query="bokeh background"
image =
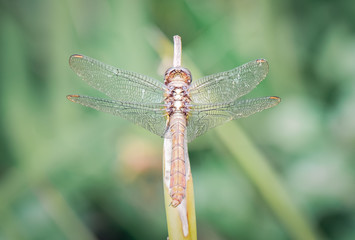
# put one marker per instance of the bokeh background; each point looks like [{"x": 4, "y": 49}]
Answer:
[{"x": 69, "y": 172}]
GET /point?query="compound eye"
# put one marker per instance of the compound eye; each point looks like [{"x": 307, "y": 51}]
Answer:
[
  {"x": 167, "y": 72},
  {"x": 167, "y": 75},
  {"x": 188, "y": 73}
]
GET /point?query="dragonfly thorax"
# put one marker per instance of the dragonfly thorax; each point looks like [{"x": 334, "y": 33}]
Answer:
[
  {"x": 177, "y": 80},
  {"x": 177, "y": 98}
]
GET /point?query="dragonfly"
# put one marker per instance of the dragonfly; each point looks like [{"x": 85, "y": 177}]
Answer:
[{"x": 178, "y": 109}]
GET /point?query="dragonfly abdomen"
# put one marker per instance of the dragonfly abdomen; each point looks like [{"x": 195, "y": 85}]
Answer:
[{"x": 178, "y": 170}]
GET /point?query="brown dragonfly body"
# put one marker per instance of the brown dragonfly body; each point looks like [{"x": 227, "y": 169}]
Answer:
[{"x": 177, "y": 81}]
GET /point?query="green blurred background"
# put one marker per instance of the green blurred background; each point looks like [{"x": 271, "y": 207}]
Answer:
[{"x": 69, "y": 172}]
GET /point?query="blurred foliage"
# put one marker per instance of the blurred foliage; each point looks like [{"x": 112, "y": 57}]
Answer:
[{"x": 68, "y": 172}]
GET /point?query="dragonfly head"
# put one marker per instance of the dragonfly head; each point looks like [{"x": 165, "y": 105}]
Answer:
[{"x": 177, "y": 74}]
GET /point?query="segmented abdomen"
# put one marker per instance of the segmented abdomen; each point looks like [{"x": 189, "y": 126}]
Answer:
[{"x": 177, "y": 170}]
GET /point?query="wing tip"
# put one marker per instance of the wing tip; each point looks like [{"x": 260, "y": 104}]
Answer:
[
  {"x": 261, "y": 60},
  {"x": 75, "y": 56},
  {"x": 278, "y": 99},
  {"x": 72, "y": 97}
]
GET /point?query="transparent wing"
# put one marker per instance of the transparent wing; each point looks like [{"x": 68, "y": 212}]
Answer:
[
  {"x": 206, "y": 116},
  {"x": 148, "y": 116},
  {"x": 230, "y": 85},
  {"x": 116, "y": 83}
]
